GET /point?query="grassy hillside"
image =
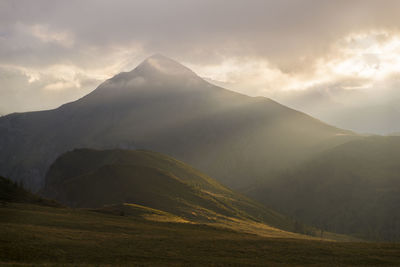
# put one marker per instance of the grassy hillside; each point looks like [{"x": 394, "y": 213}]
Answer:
[
  {"x": 93, "y": 178},
  {"x": 45, "y": 236},
  {"x": 353, "y": 189}
]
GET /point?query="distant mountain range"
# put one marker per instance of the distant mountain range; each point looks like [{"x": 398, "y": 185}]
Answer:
[{"x": 165, "y": 107}]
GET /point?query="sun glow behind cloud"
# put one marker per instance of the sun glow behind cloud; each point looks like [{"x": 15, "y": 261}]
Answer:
[
  {"x": 360, "y": 58},
  {"x": 373, "y": 55},
  {"x": 359, "y": 74}
]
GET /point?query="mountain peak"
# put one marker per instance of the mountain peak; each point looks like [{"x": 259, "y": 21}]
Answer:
[{"x": 161, "y": 64}]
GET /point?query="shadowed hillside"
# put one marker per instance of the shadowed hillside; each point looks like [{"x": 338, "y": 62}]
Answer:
[
  {"x": 92, "y": 179},
  {"x": 353, "y": 189},
  {"x": 131, "y": 234}
]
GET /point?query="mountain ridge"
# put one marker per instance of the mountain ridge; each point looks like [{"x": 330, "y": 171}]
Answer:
[
  {"x": 86, "y": 178},
  {"x": 225, "y": 134}
]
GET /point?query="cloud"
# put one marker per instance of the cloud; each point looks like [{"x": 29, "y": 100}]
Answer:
[
  {"x": 20, "y": 92},
  {"x": 373, "y": 109},
  {"x": 289, "y": 33}
]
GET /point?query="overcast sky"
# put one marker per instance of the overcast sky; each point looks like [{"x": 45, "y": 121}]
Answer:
[{"x": 344, "y": 54}]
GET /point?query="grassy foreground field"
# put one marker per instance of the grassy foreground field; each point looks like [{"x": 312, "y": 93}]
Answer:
[{"x": 39, "y": 235}]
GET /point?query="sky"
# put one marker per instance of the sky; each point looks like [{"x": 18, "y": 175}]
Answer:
[{"x": 336, "y": 60}]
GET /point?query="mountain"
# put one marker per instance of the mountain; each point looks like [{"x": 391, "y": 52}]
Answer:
[
  {"x": 87, "y": 178},
  {"x": 163, "y": 106},
  {"x": 352, "y": 189}
]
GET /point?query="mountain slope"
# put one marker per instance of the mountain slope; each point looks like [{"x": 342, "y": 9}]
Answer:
[
  {"x": 92, "y": 179},
  {"x": 163, "y": 106},
  {"x": 13, "y": 192},
  {"x": 352, "y": 189}
]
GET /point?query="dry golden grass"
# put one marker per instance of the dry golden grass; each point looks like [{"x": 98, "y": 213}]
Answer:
[{"x": 34, "y": 235}]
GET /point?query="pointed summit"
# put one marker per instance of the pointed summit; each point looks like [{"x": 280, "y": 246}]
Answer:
[
  {"x": 161, "y": 64},
  {"x": 155, "y": 73}
]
